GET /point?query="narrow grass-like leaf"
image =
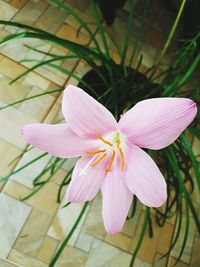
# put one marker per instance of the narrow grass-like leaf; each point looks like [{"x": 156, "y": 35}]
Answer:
[
  {"x": 41, "y": 185},
  {"x": 193, "y": 159},
  {"x": 139, "y": 32},
  {"x": 65, "y": 181},
  {"x": 169, "y": 39},
  {"x": 141, "y": 237},
  {"x": 174, "y": 164},
  {"x": 66, "y": 240},
  {"x": 31, "y": 97},
  {"x": 83, "y": 25},
  {"x": 5, "y": 178}
]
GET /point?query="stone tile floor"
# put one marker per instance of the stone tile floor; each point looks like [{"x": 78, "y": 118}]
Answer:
[{"x": 31, "y": 231}]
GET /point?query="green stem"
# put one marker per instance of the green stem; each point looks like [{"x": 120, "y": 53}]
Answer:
[
  {"x": 169, "y": 39},
  {"x": 141, "y": 237},
  {"x": 63, "y": 245}
]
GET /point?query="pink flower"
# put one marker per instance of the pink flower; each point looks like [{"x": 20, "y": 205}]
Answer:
[{"x": 111, "y": 154}]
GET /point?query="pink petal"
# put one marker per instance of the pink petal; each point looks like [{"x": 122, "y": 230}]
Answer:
[
  {"x": 156, "y": 123},
  {"x": 58, "y": 140},
  {"x": 84, "y": 187},
  {"x": 144, "y": 179},
  {"x": 86, "y": 116},
  {"x": 116, "y": 201}
]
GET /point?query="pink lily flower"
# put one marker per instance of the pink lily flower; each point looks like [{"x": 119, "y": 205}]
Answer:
[{"x": 111, "y": 156}]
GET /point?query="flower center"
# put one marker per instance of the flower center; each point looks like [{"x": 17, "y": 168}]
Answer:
[{"x": 110, "y": 147}]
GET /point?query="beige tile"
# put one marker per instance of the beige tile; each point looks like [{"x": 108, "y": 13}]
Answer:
[
  {"x": 31, "y": 12},
  {"x": 11, "y": 68},
  {"x": 8, "y": 263},
  {"x": 165, "y": 238},
  {"x": 1, "y": 57},
  {"x": 37, "y": 107},
  {"x": 120, "y": 241},
  {"x": 13, "y": 119},
  {"x": 13, "y": 214},
  {"x": 16, "y": 49},
  {"x": 70, "y": 33},
  {"x": 43, "y": 200},
  {"x": 94, "y": 223},
  {"x": 130, "y": 225},
  {"x": 186, "y": 256},
  {"x": 149, "y": 54},
  {"x": 25, "y": 261},
  {"x": 84, "y": 242},
  {"x": 15, "y": 190},
  {"x": 51, "y": 20},
  {"x": 78, "y": 4},
  {"x": 8, "y": 153},
  {"x": 27, "y": 175},
  {"x": 64, "y": 221},
  {"x": 10, "y": 93},
  {"x": 195, "y": 259},
  {"x": 18, "y": 3},
  {"x": 47, "y": 249},
  {"x": 72, "y": 257},
  {"x": 172, "y": 261},
  {"x": 33, "y": 233},
  {"x": 158, "y": 261},
  {"x": 36, "y": 80},
  {"x": 86, "y": 16},
  {"x": 149, "y": 245},
  {"x": 81, "y": 69},
  {"x": 6, "y": 11},
  {"x": 103, "y": 254},
  {"x": 140, "y": 263},
  {"x": 53, "y": 75},
  {"x": 34, "y": 55}
]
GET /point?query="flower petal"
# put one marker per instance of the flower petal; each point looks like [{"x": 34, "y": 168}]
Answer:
[
  {"x": 144, "y": 179},
  {"x": 59, "y": 140},
  {"x": 156, "y": 123},
  {"x": 86, "y": 116},
  {"x": 84, "y": 187},
  {"x": 116, "y": 201}
]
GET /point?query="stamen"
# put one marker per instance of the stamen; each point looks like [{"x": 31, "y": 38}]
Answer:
[
  {"x": 99, "y": 160},
  {"x": 121, "y": 154},
  {"x": 96, "y": 152},
  {"x": 103, "y": 140},
  {"x": 111, "y": 162}
]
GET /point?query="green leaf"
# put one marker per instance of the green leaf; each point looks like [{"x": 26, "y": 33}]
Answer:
[
  {"x": 66, "y": 240},
  {"x": 192, "y": 157},
  {"x": 141, "y": 237},
  {"x": 5, "y": 178}
]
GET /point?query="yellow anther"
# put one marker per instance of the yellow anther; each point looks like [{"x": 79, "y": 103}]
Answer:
[
  {"x": 103, "y": 140},
  {"x": 96, "y": 152},
  {"x": 111, "y": 162},
  {"x": 121, "y": 154},
  {"x": 99, "y": 160}
]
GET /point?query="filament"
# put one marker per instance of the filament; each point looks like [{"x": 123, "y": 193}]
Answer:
[
  {"x": 99, "y": 160},
  {"x": 103, "y": 140},
  {"x": 96, "y": 152},
  {"x": 111, "y": 162},
  {"x": 121, "y": 154}
]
